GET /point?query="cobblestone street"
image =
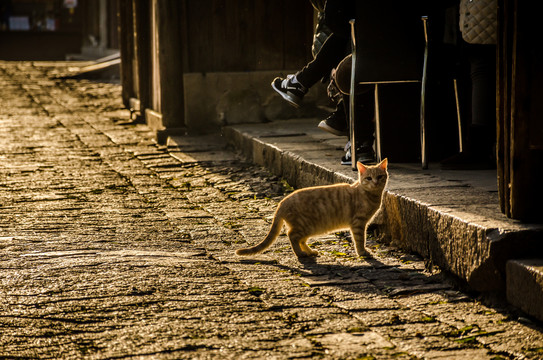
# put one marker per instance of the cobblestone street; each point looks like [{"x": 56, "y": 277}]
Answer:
[{"x": 112, "y": 246}]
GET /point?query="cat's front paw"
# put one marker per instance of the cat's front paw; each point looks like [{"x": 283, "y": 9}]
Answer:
[{"x": 363, "y": 253}]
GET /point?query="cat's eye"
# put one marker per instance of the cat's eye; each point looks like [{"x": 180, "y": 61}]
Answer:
[
  {"x": 380, "y": 177},
  {"x": 369, "y": 178}
]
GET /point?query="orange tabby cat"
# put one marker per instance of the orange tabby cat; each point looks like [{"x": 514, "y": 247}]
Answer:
[{"x": 322, "y": 209}]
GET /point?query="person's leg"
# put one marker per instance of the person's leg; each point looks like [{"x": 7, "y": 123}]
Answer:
[
  {"x": 294, "y": 87},
  {"x": 331, "y": 53},
  {"x": 336, "y": 123},
  {"x": 337, "y": 14},
  {"x": 364, "y": 137}
]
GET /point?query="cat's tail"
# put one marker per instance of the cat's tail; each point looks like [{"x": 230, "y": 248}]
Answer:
[{"x": 275, "y": 229}]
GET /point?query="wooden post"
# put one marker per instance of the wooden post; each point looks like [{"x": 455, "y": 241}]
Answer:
[
  {"x": 127, "y": 48},
  {"x": 504, "y": 52},
  {"x": 165, "y": 113},
  {"x": 142, "y": 40},
  {"x": 520, "y": 129},
  {"x": 170, "y": 63}
]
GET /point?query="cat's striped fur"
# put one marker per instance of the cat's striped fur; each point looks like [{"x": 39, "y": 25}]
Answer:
[{"x": 321, "y": 209}]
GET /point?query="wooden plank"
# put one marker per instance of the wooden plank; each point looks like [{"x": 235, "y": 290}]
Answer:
[
  {"x": 248, "y": 27},
  {"x": 219, "y": 37},
  {"x": 126, "y": 43},
  {"x": 505, "y": 51},
  {"x": 298, "y": 34},
  {"x": 501, "y": 106},
  {"x": 269, "y": 53},
  {"x": 526, "y": 179},
  {"x": 142, "y": 13},
  {"x": 183, "y": 35},
  {"x": 201, "y": 52},
  {"x": 517, "y": 129}
]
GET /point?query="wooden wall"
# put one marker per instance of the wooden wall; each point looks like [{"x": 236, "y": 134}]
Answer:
[
  {"x": 161, "y": 40},
  {"x": 246, "y": 35}
]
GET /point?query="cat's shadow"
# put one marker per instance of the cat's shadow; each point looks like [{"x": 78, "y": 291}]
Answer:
[
  {"x": 368, "y": 276},
  {"x": 311, "y": 265}
]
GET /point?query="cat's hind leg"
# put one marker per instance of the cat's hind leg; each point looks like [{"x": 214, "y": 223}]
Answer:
[
  {"x": 307, "y": 249},
  {"x": 299, "y": 244}
]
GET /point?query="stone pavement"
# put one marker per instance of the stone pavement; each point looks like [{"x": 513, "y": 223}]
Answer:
[{"x": 115, "y": 247}]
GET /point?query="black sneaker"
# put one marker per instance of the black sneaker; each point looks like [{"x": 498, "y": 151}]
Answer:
[
  {"x": 365, "y": 155},
  {"x": 293, "y": 92},
  {"x": 335, "y": 123}
]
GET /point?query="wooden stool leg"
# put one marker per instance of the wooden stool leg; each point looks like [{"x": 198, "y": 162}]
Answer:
[
  {"x": 352, "y": 124},
  {"x": 424, "y": 160},
  {"x": 459, "y": 118},
  {"x": 378, "y": 154}
]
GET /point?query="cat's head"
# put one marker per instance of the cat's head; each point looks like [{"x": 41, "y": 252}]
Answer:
[{"x": 373, "y": 177}]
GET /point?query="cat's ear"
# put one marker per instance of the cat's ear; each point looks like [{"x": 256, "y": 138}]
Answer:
[
  {"x": 361, "y": 168},
  {"x": 383, "y": 164}
]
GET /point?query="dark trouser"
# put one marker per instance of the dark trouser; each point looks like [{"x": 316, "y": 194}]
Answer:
[
  {"x": 337, "y": 14},
  {"x": 331, "y": 53}
]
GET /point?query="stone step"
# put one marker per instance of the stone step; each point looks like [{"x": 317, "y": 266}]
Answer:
[{"x": 525, "y": 285}]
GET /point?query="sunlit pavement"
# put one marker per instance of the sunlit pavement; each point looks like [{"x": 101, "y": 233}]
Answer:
[{"x": 111, "y": 247}]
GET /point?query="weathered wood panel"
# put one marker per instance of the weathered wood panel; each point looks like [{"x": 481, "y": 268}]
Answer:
[
  {"x": 247, "y": 35},
  {"x": 173, "y": 37}
]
